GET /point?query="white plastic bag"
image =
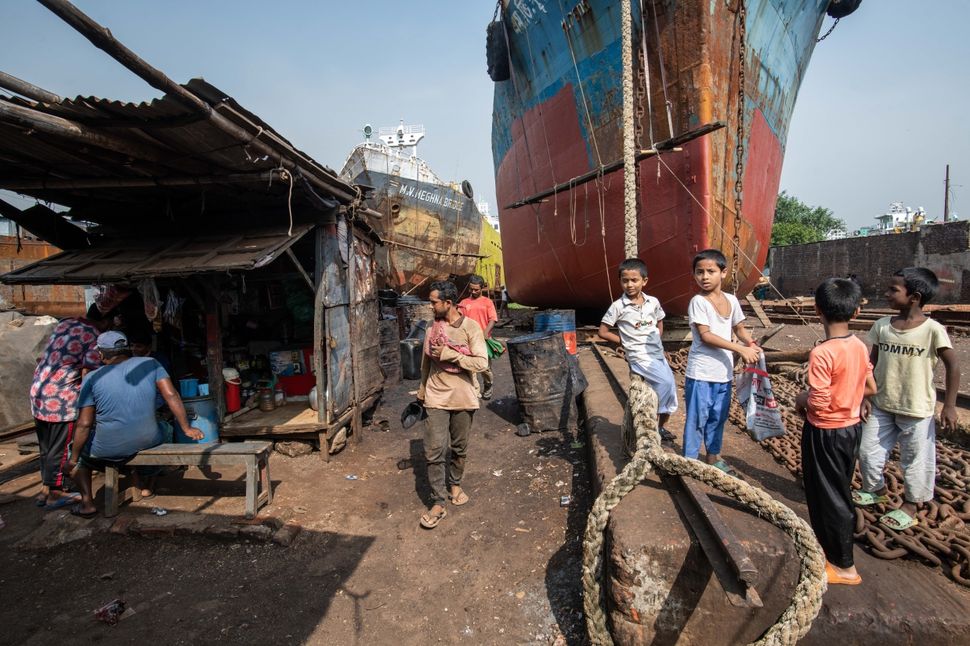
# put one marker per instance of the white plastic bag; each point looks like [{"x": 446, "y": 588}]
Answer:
[{"x": 761, "y": 409}]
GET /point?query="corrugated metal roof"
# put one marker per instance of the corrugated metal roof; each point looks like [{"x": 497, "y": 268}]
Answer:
[
  {"x": 127, "y": 260},
  {"x": 163, "y": 138}
]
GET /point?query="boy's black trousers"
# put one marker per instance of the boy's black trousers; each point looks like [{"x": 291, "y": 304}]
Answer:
[{"x": 828, "y": 460}]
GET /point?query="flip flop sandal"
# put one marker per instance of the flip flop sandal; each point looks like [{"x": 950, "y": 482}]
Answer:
[
  {"x": 460, "y": 499},
  {"x": 864, "y": 498},
  {"x": 897, "y": 520},
  {"x": 430, "y": 521},
  {"x": 834, "y": 577},
  {"x": 63, "y": 501},
  {"x": 666, "y": 436},
  {"x": 76, "y": 511},
  {"x": 726, "y": 468}
]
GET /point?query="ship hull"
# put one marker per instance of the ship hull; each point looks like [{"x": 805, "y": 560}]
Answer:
[
  {"x": 555, "y": 119},
  {"x": 431, "y": 230}
]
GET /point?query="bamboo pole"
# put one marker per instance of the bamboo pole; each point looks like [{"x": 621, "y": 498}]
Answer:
[
  {"x": 29, "y": 90},
  {"x": 102, "y": 38}
]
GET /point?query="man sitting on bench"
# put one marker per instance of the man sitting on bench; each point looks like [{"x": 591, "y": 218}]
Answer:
[{"x": 117, "y": 401}]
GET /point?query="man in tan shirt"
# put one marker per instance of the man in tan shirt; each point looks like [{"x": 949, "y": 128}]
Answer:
[{"x": 454, "y": 351}]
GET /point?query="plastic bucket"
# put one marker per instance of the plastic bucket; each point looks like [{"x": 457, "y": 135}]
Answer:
[
  {"x": 541, "y": 372},
  {"x": 563, "y": 321},
  {"x": 203, "y": 415},
  {"x": 233, "y": 395},
  {"x": 188, "y": 388}
]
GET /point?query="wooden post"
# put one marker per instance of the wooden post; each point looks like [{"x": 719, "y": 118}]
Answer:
[
  {"x": 356, "y": 421},
  {"x": 213, "y": 349},
  {"x": 318, "y": 348}
]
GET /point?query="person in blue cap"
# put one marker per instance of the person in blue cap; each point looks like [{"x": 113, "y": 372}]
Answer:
[{"x": 116, "y": 416}]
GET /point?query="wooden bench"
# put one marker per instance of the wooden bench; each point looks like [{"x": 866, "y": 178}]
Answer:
[{"x": 254, "y": 455}]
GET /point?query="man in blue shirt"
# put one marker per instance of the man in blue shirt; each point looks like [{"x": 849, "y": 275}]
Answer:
[{"x": 118, "y": 401}]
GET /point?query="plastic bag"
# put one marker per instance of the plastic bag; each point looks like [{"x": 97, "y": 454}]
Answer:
[
  {"x": 494, "y": 347},
  {"x": 754, "y": 393}
]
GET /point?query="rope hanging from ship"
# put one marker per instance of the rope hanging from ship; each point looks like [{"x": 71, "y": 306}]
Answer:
[{"x": 640, "y": 426}]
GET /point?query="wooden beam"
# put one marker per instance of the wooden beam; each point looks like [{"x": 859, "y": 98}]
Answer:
[
  {"x": 299, "y": 267},
  {"x": 213, "y": 350},
  {"x": 105, "y": 41},
  {"x": 29, "y": 90},
  {"x": 669, "y": 145},
  {"x": 758, "y": 310},
  {"x": 21, "y": 184}
]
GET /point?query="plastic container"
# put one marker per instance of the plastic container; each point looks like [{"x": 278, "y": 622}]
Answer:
[
  {"x": 188, "y": 388},
  {"x": 563, "y": 321},
  {"x": 411, "y": 350},
  {"x": 203, "y": 414},
  {"x": 233, "y": 395}
]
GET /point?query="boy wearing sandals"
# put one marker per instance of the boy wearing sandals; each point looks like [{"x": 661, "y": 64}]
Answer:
[
  {"x": 839, "y": 376},
  {"x": 905, "y": 350},
  {"x": 454, "y": 351},
  {"x": 713, "y": 316},
  {"x": 639, "y": 320}
]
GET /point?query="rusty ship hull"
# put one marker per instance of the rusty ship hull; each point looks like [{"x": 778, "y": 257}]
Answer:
[
  {"x": 558, "y": 116},
  {"x": 432, "y": 229}
]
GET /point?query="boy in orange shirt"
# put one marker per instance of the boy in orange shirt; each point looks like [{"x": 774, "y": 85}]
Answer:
[{"x": 839, "y": 376}]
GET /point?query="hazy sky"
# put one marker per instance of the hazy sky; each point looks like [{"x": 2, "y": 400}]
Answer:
[{"x": 879, "y": 115}]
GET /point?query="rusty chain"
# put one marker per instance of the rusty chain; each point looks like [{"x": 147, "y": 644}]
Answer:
[
  {"x": 739, "y": 147},
  {"x": 942, "y": 537}
]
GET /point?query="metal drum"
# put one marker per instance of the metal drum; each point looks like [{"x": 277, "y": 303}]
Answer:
[{"x": 546, "y": 378}]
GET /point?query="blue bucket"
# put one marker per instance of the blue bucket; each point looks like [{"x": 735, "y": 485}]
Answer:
[
  {"x": 203, "y": 415},
  {"x": 188, "y": 388}
]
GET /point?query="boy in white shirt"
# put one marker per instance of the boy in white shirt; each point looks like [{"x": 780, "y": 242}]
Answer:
[
  {"x": 639, "y": 319},
  {"x": 713, "y": 315}
]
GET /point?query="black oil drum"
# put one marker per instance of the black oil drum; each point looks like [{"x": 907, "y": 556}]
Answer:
[{"x": 546, "y": 380}]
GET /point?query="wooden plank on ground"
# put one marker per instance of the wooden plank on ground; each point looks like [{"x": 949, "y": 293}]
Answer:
[{"x": 758, "y": 310}]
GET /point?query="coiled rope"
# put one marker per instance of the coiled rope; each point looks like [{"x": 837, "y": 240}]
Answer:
[{"x": 640, "y": 421}]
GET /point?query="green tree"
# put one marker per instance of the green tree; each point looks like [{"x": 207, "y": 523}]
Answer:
[{"x": 798, "y": 223}]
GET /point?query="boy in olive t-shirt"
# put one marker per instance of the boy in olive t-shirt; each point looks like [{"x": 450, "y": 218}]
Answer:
[{"x": 905, "y": 350}]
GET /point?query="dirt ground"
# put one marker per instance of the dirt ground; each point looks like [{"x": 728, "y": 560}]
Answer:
[{"x": 503, "y": 569}]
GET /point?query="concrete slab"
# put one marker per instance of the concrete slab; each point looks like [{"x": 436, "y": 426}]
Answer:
[{"x": 660, "y": 588}]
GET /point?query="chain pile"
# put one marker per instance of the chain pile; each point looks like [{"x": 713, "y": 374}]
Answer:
[{"x": 942, "y": 537}]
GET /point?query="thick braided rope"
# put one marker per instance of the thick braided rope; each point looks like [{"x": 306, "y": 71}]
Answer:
[
  {"x": 629, "y": 143},
  {"x": 797, "y": 618}
]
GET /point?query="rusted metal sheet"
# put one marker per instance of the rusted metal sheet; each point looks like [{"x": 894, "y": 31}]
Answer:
[
  {"x": 51, "y": 300},
  {"x": 128, "y": 260},
  {"x": 339, "y": 360}
]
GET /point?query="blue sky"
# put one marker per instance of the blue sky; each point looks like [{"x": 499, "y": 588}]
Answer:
[{"x": 878, "y": 116}]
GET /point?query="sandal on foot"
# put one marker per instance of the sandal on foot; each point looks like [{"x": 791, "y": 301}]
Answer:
[
  {"x": 725, "y": 467},
  {"x": 666, "y": 436},
  {"x": 63, "y": 501},
  {"x": 460, "y": 499},
  {"x": 430, "y": 521},
  {"x": 76, "y": 511},
  {"x": 835, "y": 578},
  {"x": 897, "y": 520},
  {"x": 864, "y": 498}
]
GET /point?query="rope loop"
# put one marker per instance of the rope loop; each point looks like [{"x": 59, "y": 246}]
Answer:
[{"x": 640, "y": 423}]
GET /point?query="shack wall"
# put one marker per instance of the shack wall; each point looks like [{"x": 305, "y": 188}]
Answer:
[
  {"x": 52, "y": 300},
  {"x": 944, "y": 248}
]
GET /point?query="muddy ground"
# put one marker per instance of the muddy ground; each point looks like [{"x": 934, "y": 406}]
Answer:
[{"x": 503, "y": 569}]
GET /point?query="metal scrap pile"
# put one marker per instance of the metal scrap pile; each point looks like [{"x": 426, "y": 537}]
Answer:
[{"x": 942, "y": 537}]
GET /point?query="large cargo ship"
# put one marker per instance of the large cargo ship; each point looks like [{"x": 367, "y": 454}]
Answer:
[
  {"x": 432, "y": 229},
  {"x": 557, "y": 123}
]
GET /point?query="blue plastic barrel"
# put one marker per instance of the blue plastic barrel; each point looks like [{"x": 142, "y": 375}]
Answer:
[
  {"x": 558, "y": 321},
  {"x": 188, "y": 388},
  {"x": 203, "y": 414}
]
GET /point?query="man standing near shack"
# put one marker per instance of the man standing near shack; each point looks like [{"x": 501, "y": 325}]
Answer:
[
  {"x": 481, "y": 310},
  {"x": 118, "y": 399},
  {"x": 454, "y": 350},
  {"x": 70, "y": 354}
]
